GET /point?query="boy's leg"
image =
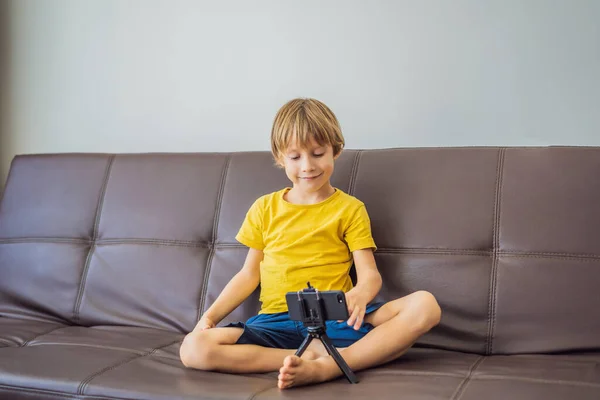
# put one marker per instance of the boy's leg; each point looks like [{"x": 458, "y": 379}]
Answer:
[
  {"x": 398, "y": 324},
  {"x": 216, "y": 350}
]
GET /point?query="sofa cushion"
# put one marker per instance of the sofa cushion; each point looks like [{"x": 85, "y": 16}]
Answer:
[
  {"x": 41, "y": 278},
  {"x": 54, "y": 368},
  {"x": 548, "y": 255},
  {"x": 153, "y": 285},
  {"x": 52, "y": 196},
  {"x": 18, "y": 332},
  {"x": 147, "y": 239},
  {"x": 544, "y": 303},
  {"x": 124, "y": 338},
  {"x": 102, "y": 368},
  {"x": 67, "y": 358},
  {"x": 159, "y": 377},
  {"x": 568, "y": 376}
]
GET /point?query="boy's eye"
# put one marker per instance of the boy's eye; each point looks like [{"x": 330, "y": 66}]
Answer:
[
  {"x": 319, "y": 155},
  {"x": 294, "y": 157}
]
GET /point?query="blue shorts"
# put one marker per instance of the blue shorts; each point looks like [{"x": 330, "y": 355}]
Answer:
[{"x": 279, "y": 331}]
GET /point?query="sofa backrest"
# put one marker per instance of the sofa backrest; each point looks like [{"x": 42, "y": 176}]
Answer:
[{"x": 507, "y": 239}]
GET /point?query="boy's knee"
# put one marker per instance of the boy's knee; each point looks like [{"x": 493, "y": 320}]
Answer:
[
  {"x": 197, "y": 350},
  {"x": 428, "y": 311}
]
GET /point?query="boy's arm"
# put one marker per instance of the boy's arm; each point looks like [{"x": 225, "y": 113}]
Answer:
[
  {"x": 235, "y": 292},
  {"x": 368, "y": 284}
]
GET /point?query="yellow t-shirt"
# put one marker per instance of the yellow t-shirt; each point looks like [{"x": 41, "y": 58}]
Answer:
[{"x": 303, "y": 243}]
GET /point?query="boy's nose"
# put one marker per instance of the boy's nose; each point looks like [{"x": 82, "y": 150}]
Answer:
[{"x": 307, "y": 165}]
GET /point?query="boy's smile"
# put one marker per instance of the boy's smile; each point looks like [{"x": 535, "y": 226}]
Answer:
[
  {"x": 311, "y": 177},
  {"x": 309, "y": 167}
]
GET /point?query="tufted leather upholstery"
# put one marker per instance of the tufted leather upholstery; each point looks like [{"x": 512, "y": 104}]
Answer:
[{"x": 106, "y": 261}]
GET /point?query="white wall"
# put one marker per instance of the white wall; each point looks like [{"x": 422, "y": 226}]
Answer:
[{"x": 145, "y": 76}]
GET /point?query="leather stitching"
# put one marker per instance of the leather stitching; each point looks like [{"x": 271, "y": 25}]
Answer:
[
  {"x": 76, "y": 307},
  {"x": 214, "y": 238},
  {"x": 463, "y": 385},
  {"x": 354, "y": 172},
  {"x": 385, "y": 250},
  {"x": 25, "y": 343},
  {"x": 87, "y": 380},
  {"x": 495, "y": 253},
  {"x": 45, "y": 393},
  {"x": 536, "y": 380}
]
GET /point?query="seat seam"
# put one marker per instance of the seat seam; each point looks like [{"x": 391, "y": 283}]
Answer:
[
  {"x": 123, "y": 349},
  {"x": 82, "y": 281},
  {"x": 45, "y": 392},
  {"x": 418, "y": 373},
  {"x": 404, "y": 250},
  {"x": 61, "y": 395},
  {"x": 565, "y": 357},
  {"x": 253, "y": 396},
  {"x": 84, "y": 383},
  {"x": 25, "y": 343},
  {"x": 492, "y": 291},
  {"x": 27, "y": 239},
  {"x": 537, "y": 380},
  {"x": 551, "y": 256},
  {"x": 463, "y": 385},
  {"x": 214, "y": 237},
  {"x": 416, "y": 250},
  {"x": 153, "y": 241},
  {"x": 497, "y": 247},
  {"x": 354, "y": 172}
]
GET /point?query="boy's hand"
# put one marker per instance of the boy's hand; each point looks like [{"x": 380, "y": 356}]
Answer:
[
  {"x": 357, "y": 305},
  {"x": 204, "y": 323}
]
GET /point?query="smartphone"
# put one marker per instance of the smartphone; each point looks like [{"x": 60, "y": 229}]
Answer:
[{"x": 332, "y": 301}]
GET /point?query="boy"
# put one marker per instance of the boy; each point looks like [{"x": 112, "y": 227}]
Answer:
[{"x": 309, "y": 232}]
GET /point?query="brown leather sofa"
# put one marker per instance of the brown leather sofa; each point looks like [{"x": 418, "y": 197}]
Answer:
[{"x": 106, "y": 261}]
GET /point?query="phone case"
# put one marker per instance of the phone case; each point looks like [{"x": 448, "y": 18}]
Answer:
[{"x": 333, "y": 301}]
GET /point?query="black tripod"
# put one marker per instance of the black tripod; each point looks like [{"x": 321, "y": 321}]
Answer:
[{"x": 315, "y": 324}]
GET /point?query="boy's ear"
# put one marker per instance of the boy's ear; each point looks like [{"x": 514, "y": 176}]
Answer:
[
  {"x": 338, "y": 154},
  {"x": 279, "y": 162}
]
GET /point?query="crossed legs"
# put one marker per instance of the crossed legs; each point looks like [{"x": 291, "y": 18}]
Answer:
[{"x": 398, "y": 324}]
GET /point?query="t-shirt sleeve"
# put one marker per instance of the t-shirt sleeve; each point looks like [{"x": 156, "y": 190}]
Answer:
[
  {"x": 358, "y": 233},
  {"x": 250, "y": 233}
]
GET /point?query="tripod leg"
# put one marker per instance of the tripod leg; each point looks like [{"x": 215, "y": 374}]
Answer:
[
  {"x": 333, "y": 352},
  {"x": 304, "y": 345}
]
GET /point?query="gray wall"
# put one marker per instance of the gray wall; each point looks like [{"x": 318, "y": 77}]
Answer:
[{"x": 145, "y": 76}]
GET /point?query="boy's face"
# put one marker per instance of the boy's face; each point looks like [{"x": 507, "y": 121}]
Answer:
[{"x": 308, "y": 167}]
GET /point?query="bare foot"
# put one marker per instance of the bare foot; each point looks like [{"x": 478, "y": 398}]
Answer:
[
  {"x": 311, "y": 355},
  {"x": 316, "y": 347},
  {"x": 297, "y": 372}
]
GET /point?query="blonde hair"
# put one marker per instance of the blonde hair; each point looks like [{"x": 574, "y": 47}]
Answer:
[{"x": 304, "y": 119}]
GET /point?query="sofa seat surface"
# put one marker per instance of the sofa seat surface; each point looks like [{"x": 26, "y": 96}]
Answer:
[
  {"x": 60, "y": 360},
  {"x": 17, "y": 331},
  {"x": 134, "y": 363},
  {"x": 438, "y": 374},
  {"x": 535, "y": 376}
]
